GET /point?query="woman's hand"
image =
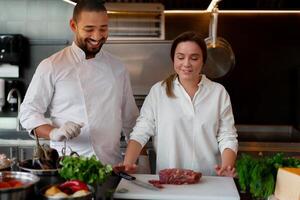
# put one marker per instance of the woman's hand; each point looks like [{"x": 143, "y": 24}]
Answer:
[
  {"x": 128, "y": 168},
  {"x": 225, "y": 171}
]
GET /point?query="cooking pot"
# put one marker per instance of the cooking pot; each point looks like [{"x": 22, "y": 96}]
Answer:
[
  {"x": 23, "y": 192},
  {"x": 220, "y": 56},
  {"x": 23, "y": 165},
  {"x": 47, "y": 176}
]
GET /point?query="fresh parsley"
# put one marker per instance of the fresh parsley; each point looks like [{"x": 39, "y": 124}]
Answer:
[{"x": 87, "y": 169}]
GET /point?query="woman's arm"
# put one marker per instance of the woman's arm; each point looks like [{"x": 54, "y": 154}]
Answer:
[
  {"x": 132, "y": 153},
  {"x": 228, "y": 158},
  {"x": 228, "y": 164}
]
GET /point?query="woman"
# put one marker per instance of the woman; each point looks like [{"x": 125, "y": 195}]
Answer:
[{"x": 189, "y": 117}]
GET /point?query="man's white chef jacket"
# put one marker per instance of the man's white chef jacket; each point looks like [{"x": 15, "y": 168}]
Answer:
[
  {"x": 94, "y": 91},
  {"x": 187, "y": 133}
]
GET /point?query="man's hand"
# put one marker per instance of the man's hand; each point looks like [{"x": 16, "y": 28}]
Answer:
[
  {"x": 66, "y": 132},
  {"x": 225, "y": 171}
]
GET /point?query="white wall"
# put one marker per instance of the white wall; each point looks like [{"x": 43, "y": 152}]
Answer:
[{"x": 36, "y": 19}]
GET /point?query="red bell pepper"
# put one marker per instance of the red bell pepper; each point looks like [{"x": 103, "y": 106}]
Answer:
[{"x": 70, "y": 187}]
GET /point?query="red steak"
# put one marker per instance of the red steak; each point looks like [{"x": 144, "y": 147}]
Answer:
[{"x": 176, "y": 177}]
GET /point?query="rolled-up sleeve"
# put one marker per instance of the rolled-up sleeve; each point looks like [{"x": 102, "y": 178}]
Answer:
[
  {"x": 145, "y": 125},
  {"x": 227, "y": 135},
  {"x": 37, "y": 98}
]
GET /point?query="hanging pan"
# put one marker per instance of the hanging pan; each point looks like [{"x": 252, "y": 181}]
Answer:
[{"x": 220, "y": 57}]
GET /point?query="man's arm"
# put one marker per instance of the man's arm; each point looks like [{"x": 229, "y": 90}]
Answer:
[{"x": 43, "y": 131}]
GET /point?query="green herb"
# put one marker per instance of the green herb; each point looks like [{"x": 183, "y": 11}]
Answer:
[
  {"x": 89, "y": 170},
  {"x": 258, "y": 175}
]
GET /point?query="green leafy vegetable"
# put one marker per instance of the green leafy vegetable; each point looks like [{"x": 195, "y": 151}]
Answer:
[
  {"x": 258, "y": 175},
  {"x": 89, "y": 170}
]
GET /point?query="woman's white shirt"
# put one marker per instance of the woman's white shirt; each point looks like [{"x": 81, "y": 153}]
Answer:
[{"x": 187, "y": 133}]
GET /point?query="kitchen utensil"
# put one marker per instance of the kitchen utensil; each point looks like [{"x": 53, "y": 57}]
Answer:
[
  {"x": 47, "y": 176},
  {"x": 209, "y": 187},
  {"x": 64, "y": 150},
  {"x": 220, "y": 56},
  {"x": 25, "y": 165},
  {"x": 136, "y": 181},
  {"x": 18, "y": 193}
]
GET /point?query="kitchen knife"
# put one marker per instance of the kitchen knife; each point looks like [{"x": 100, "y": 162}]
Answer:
[{"x": 134, "y": 180}]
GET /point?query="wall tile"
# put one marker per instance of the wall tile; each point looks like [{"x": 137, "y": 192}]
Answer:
[
  {"x": 3, "y": 26},
  {"x": 59, "y": 30},
  {"x": 18, "y": 27},
  {"x": 59, "y": 10},
  {"x": 37, "y": 10},
  {"x": 15, "y": 10},
  {"x": 36, "y": 29},
  {"x": 2, "y": 9}
]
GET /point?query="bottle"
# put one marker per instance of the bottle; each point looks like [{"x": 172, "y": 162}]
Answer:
[{"x": 2, "y": 94}]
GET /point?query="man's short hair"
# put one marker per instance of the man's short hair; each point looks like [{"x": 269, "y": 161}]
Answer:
[{"x": 88, "y": 5}]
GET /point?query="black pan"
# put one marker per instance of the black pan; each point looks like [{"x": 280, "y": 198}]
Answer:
[{"x": 220, "y": 57}]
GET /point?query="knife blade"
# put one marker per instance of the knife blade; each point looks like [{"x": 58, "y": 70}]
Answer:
[{"x": 135, "y": 181}]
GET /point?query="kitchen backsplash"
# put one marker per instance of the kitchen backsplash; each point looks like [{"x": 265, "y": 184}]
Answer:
[{"x": 36, "y": 19}]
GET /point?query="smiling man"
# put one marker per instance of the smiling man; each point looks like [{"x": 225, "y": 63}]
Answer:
[
  {"x": 90, "y": 26},
  {"x": 85, "y": 89}
]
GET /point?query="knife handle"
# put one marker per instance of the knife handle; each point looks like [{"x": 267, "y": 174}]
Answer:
[{"x": 126, "y": 176}]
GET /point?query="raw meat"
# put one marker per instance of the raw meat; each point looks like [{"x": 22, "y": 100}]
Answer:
[{"x": 176, "y": 176}]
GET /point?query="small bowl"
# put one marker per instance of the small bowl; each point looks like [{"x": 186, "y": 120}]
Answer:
[
  {"x": 22, "y": 192},
  {"x": 89, "y": 196}
]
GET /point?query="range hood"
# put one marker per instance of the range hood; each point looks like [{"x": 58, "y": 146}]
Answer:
[{"x": 135, "y": 21}]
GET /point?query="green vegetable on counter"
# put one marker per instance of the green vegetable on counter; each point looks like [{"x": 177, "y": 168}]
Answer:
[
  {"x": 89, "y": 170},
  {"x": 258, "y": 175}
]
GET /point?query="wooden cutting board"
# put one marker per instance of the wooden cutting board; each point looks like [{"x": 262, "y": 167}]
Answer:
[{"x": 209, "y": 188}]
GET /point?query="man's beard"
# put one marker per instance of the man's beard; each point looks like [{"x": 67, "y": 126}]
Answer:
[{"x": 90, "y": 52}]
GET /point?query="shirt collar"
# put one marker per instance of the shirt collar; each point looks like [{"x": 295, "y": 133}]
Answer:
[
  {"x": 202, "y": 82},
  {"x": 79, "y": 53}
]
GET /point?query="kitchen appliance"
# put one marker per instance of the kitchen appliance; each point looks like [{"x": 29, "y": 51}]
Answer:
[
  {"x": 209, "y": 187},
  {"x": 146, "y": 61},
  {"x": 2, "y": 93},
  {"x": 136, "y": 21},
  {"x": 13, "y": 54},
  {"x": 12, "y": 47}
]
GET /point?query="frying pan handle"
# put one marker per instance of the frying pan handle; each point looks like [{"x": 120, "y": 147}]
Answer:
[{"x": 214, "y": 26}]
